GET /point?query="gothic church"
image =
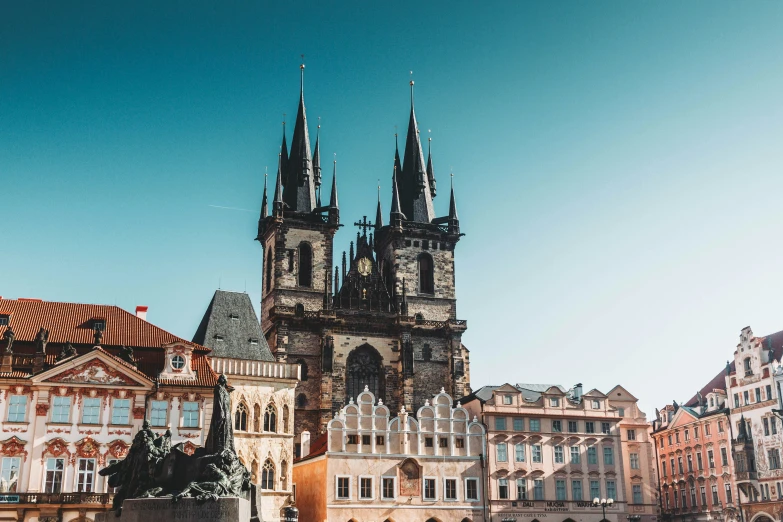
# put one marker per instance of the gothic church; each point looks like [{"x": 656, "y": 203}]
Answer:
[{"x": 385, "y": 316}]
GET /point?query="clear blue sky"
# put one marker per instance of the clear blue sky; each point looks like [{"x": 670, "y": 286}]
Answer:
[{"x": 618, "y": 164}]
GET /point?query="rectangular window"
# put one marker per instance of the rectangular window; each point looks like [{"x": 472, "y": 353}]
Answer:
[
  {"x": 621, "y": 412},
  {"x": 519, "y": 452},
  {"x": 699, "y": 463},
  {"x": 714, "y": 495},
  {"x": 560, "y": 489},
  {"x": 9, "y": 473},
  {"x": 17, "y": 408},
  {"x": 443, "y": 442},
  {"x": 605, "y": 428},
  {"x": 158, "y": 413},
  {"x": 554, "y": 401},
  {"x": 670, "y": 439},
  {"x": 736, "y": 400},
  {"x": 343, "y": 488},
  {"x": 774, "y": 423},
  {"x": 609, "y": 457},
  {"x": 746, "y": 396},
  {"x": 634, "y": 459},
  {"x": 365, "y": 488},
  {"x": 54, "y": 475},
  {"x": 430, "y": 489},
  {"x": 428, "y": 442},
  {"x": 519, "y": 424},
  {"x": 592, "y": 455},
  {"x": 451, "y": 489},
  {"x": 459, "y": 442},
  {"x": 576, "y": 490},
  {"x": 559, "y": 459},
  {"x": 631, "y": 434},
  {"x": 596, "y": 405},
  {"x": 354, "y": 439},
  {"x": 190, "y": 414},
  {"x": 120, "y": 413},
  {"x": 502, "y": 452},
  {"x": 728, "y": 492},
  {"x": 500, "y": 423},
  {"x": 710, "y": 458},
  {"x": 679, "y": 465},
  {"x": 387, "y": 487},
  {"x": 637, "y": 493},
  {"x": 663, "y": 467},
  {"x": 503, "y": 489},
  {"x": 765, "y": 422},
  {"x": 4, "y": 319},
  {"x": 507, "y": 399},
  {"x": 471, "y": 489},
  {"x": 707, "y": 428},
  {"x": 572, "y": 427},
  {"x": 774, "y": 458},
  {"x": 536, "y": 449},
  {"x": 557, "y": 426},
  {"x": 589, "y": 427},
  {"x": 768, "y": 389},
  {"x": 703, "y": 496},
  {"x": 687, "y": 435},
  {"x": 521, "y": 489},
  {"x": 758, "y": 394},
  {"x": 677, "y": 437},
  {"x": 61, "y": 410},
  {"x": 690, "y": 463},
  {"x": 611, "y": 489},
  {"x": 91, "y": 411},
  {"x": 693, "y": 496},
  {"x": 535, "y": 425},
  {"x": 724, "y": 457},
  {"x": 595, "y": 489},
  {"x": 538, "y": 489},
  {"x": 86, "y": 476},
  {"x": 695, "y": 432},
  {"x": 366, "y": 440},
  {"x": 671, "y": 461},
  {"x": 575, "y": 455}
]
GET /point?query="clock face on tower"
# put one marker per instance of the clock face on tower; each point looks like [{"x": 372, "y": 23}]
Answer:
[{"x": 364, "y": 266}]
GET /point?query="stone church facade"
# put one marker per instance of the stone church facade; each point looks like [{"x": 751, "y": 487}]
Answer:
[{"x": 382, "y": 316}]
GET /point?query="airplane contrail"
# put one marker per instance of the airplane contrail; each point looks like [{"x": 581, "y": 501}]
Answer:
[{"x": 231, "y": 208}]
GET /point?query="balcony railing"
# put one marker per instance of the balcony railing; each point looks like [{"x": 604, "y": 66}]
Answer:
[
  {"x": 255, "y": 368},
  {"x": 56, "y": 498},
  {"x": 743, "y": 476}
]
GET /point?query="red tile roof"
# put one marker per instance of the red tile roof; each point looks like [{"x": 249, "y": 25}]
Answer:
[
  {"x": 318, "y": 446},
  {"x": 73, "y": 322}
]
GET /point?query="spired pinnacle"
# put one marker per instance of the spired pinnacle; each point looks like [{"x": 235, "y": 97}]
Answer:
[
  {"x": 299, "y": 193},
  {"x": 415, "y": 193}
]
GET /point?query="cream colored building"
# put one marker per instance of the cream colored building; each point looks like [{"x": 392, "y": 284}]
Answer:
[
  {"x": 638, "y": 456},
  {"x": 371, "y": 467},
  {"x": 550, "y": 452}
]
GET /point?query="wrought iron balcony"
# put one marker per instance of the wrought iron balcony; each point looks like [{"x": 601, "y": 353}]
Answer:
[{"x": 104, "y": 499}]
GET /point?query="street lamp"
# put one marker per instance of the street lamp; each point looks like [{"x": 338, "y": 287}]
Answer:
[{"x": 604, "y": 503}]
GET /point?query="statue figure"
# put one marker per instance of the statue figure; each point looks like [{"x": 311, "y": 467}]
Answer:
[
  {"x": 41, "y": 340},
  {"x": 97, "y": 335},
  {"x": 224, "y": 478},
  {"x": 221, "y": 430},
  {"x": 9, "y": 337},
  {"x": 126, "y": 354},
  {"x": 67, "y": 351}
]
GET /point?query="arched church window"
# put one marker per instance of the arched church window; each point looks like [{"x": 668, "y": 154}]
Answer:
[
  {"x": 299, "y": 310},
  {"x": 268, "y": 285},
  {"x": 305, "y": 265},
  {"x": 303, "y": 365},
  {"x": 240, "y": 417},
  {"x": 426, "y": 274},
  {"x": 270, "y": 418},
  {"x": 256, "y": 418},
  {"x": 268, "y": 475},
  {"x": 301, "y": 400},
  {"x": 364, "y": 368}
]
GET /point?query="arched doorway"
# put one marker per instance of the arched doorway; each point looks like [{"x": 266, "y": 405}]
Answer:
[{"x": 364, "y": 368}]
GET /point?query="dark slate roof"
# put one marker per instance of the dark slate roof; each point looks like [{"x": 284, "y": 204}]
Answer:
[{"x": 231, "y": 316}]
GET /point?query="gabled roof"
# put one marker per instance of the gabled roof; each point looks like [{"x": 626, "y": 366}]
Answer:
[
  {"x": 624, "y": 394},
  {"x": 123, "y": 373},
  {"x": 73, "y": 323},
  {"x": 228, "y": 327},
  {"x": 678, "y": 419},
  {"x": 594, "y": 393}
]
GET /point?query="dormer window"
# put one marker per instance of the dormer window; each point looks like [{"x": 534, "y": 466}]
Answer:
[
  {"x": 554, "y": 402},
  {"x": 507, "y": 399},
  {"x": 219, "y": 338},
  {"x": 177, "y": 362},
  {"x": 748, "y": 370},
  {"x": 234, "y": 318},
  {"x": 253, "y": 342},
  {"x": 596, "y": 405},
  {"x": 4, "y": 319},
  {"x": 99, "y": 324}
]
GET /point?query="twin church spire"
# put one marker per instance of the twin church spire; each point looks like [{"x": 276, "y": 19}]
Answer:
[{"x": 298, "y": 180}]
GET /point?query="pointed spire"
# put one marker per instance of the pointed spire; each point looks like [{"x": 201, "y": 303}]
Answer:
[
  {"x": 300, "y": 188},
  {"x": 396, "y": 215},
  {"x": 430, "y": 170},
  {"x": 336, "y": 281},
  {"x": 378, "y": 212},
  {"x": 416, "y": 198},
  {"x": 453, "y": 204},
  {"x": 317, "y": 158},
  {"x": 277, "y": 204},
  {"x": 345, "y": 267},
  {"x": 264, "y": 207},
  {"x": 351, "y": 254},
  {"x": 284, "y": 155},
  {"x": 334, "y": 207}
]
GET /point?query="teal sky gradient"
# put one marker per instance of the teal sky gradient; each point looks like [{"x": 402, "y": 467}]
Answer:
[{"x": 617, "y": 164}]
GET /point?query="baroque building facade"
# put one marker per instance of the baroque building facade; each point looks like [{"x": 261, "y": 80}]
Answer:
[
  {"x": 371, "y": 466},
  {"x": 551, "y": 451},
  {"x": 385, "y": 314}
]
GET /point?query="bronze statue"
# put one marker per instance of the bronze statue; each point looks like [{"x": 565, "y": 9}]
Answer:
[
  {"x": 9, "y": 337},
  {"x": 153, "y": 468},
  {"x": 41, "y": 340},
  {"x": 97, "y": 335},
  {"x": 67, "y": 351},
  {"x": 126, "y": 354}
]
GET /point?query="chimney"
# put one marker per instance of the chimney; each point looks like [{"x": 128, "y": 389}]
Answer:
[
  {"x": 141, "y": 312},
  {"x": 578, "y": 391},
  {"x": 304, "y": 439}
]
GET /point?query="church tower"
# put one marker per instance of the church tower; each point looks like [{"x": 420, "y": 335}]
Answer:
[{"x": 385, "y": 317}]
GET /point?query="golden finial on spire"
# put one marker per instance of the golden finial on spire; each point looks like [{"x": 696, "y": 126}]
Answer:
[{"x": 319, "y": 122}]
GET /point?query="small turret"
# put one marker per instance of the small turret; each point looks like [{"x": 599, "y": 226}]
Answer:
[
  {"x": 430, "y": 170},
  {"x": 277, "y": 204},
  {"x": 264, "y": 207},
  {"x": 334, "y": 207},
  {"x": 317, "y": 163},
  {"x": 396, "y": 217},
  {"x": 453, "y": 217},
  {"x": 378, "y": 212}
]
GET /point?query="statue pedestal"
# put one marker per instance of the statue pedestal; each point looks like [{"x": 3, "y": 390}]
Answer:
[{"x": 225, "y": 509}]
